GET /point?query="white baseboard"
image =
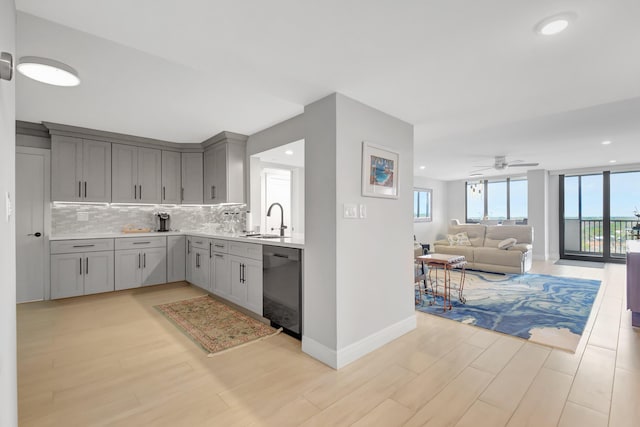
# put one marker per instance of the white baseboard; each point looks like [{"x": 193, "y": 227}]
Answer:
[
  {"x": 341, "y": 358},
  {"x": 320, "y": 352}
]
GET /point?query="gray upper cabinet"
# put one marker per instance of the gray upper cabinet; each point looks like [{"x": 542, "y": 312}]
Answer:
[
  {"x": 192, "y": 178},
  {"x": 224, "y": 173},
  {"x": 171, "y": 177},
  {"x": 137, "y": 174},
  {"x": 80, "y": 170}
]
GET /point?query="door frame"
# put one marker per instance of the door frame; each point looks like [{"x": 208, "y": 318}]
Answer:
[{"x": 46, "y": 233}]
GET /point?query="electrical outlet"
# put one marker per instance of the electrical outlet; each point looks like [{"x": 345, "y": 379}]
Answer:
[{"x": 350, "y": 210}]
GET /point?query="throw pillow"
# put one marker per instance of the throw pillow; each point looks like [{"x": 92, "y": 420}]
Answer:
[
  {"x": 507, "y": 243},
  {"x": 453, "y": 240},
  {"x": 463, "y": 239}
]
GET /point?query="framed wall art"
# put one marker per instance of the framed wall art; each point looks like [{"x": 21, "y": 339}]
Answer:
[{"x": 379, "y": 171}]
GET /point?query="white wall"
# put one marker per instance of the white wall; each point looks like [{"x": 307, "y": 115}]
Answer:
[
  {"x": 553, "y": 222},
  {"x": 456, "y": 200},
  {"x": 429, "y": 232},
  {"x": 538, "y": 206},
  {"x": 374, "y": 274},
  {"x": 8, "y": 384},
  {"x": 319, "y": 293},
  {"x": 358, "y": 290},
  {"x": 290, "y": 130}
]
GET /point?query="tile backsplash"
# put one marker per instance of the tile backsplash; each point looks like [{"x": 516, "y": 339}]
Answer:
[{"x": 83, "y": 218}]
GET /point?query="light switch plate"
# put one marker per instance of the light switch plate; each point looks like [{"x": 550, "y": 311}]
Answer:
[
  {"x": 351, "y": 210},
  {"x": 363, "y": 211},
  {"x": 83, "y": 216}
]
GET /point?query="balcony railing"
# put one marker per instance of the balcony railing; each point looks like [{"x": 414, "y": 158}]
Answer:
[{"x": 586, "y": 237}]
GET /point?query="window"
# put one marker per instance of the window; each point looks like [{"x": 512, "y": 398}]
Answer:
[
  {"x": 422, "y": 205},
  {"x": 497, "y": 200}
]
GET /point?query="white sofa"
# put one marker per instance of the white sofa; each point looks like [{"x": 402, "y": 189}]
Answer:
[{"x": 484, "y": 254}]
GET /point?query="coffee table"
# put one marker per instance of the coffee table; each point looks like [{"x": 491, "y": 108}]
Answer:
[{"x": 446, "y": 263}]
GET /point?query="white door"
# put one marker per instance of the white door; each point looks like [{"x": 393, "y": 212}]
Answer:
[
  {"x": 31, "y": 252},
  {"x": 277, "y": 189}
]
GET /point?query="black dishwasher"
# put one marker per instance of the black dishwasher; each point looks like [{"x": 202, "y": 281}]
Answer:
[{"x": 281, "y": 295}]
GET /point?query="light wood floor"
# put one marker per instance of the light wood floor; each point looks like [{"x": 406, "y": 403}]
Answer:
[{"x": 113, "y": 360}]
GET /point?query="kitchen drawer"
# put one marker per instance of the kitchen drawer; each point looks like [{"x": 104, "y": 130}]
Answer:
[
  {"x": 220, "y": 246},
  {"x": 81, "y": 245},
  {"x": 246, "y": 250},
  {"x": 141, "y": 242},
  {"x": 199, "y": 242}
]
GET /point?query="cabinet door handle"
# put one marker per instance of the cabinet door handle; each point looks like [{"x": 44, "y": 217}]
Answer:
[
  {"x": 144, "y": 260},
  {"x": 83, "y": 246},
  {"x": 210, "y": 252},
  {"x": 218, "y": 246},
  {"x": 135, "y": 192},
  {"x": 140, "y": 192},
  {"x": 164, "y": 193},
  {"x": 188, "y": 246},
  {"x": 141, "y": 243},
  {"x": 79, "y": 188},
  {"x": 219, "y": 255},
  {"x": 211, "y": 192},
  {"x": 81, "y": 266},
  {"x": 86, "y": 266},
  {"x": 182, "y": 194},
  {"x": 85, "y": 189},
  {"x": 138, "y": 260},
  {"x": 214, "y": 191}
]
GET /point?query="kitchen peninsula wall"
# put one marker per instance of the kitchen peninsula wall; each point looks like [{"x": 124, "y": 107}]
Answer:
[{"x": 79, "y": 218}]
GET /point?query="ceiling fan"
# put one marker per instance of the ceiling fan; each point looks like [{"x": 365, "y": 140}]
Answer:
[{"x": 501, "y": 163}]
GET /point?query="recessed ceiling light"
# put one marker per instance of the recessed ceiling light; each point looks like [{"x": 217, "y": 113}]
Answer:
[
  {"x": 606, "y": 142},
  {"x": 555, "y": 24},
  {"x": 289, "y": 152},
  {"x": 48, "y": 71},
  {"x": 423, "y": 167},
  {"x": 612, "y": 161}
]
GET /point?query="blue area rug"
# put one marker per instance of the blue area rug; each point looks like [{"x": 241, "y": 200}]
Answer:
[{"x": 549, "y": 310}]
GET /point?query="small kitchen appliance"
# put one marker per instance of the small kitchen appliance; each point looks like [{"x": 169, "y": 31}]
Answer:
[{"x": 163, "y": 221}]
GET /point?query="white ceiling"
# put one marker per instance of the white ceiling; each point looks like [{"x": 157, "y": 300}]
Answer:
[
  {"x": 472, "y": 76},
  {"x": 279, "y": 156}
]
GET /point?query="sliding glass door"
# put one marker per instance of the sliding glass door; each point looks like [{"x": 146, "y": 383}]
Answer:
[{"x": 596, "y": 214}]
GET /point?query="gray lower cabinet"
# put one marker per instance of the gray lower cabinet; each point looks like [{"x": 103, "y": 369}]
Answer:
[
  {"x": 221, "y": 275},
  {"x": 189, "y": 263},
  {"x": 200, "y": 268},
  {"x": 176, "y": 258},
  {"x": 77, "y": 274},
  {"x": 140, "y": 261},
  {"x": 192, "y": 178},
  {"x": 80, "y": 170},
  {"x": 246, "y": 283},
  {"x": 136, "y": 268},
  {"x": 171, "y": 177},
  {"x": 136, "y": 174}
]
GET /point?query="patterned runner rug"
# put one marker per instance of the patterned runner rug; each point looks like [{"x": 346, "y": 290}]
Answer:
[
  {"x": 213, "y": 325},
  {"x": 548, "y": 310}
]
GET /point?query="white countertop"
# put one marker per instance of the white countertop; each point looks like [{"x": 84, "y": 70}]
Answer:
[{"x": 289, "y": 242}]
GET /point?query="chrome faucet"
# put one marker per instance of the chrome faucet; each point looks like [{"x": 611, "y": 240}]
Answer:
[{"x": 282, "y": 226}]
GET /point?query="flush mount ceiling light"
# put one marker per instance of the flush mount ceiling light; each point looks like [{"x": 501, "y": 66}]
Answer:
[
  {"x": 555, "y": 24},
  {"x": 48, "y": 71},
  {"x": 612, "y": 161},
  {"x": 423, "y": 167},
  {"x": 606, "y": 142},
  {"x": 289, "y": 152}
]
